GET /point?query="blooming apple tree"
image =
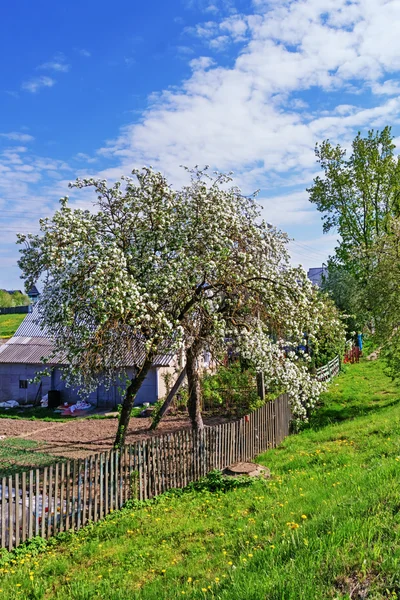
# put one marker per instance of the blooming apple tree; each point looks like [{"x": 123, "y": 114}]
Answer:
[{"x": 152, "y": 269}]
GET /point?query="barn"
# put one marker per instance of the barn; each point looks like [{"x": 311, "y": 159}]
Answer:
[{"x": 20, "y": 360}]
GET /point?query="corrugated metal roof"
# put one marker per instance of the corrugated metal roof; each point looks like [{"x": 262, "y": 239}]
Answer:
[
  {"x": 25, "y": 350},
  {"x": 30, "y": 343},
  {"x": 29, "y": 327}
]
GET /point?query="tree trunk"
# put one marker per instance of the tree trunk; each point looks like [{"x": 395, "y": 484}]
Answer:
[
  {"x": 169, "y": 398},
  {"x": 261, "y": 386},
  {"x": 129, "y": 401},
  {"x": 194, "y": 389}
]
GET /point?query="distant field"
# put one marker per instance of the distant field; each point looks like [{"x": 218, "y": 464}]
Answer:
[{"x": 9, "y": 324}]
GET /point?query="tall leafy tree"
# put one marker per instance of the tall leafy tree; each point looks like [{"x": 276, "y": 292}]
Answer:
[{"x": 357, "y": 196}]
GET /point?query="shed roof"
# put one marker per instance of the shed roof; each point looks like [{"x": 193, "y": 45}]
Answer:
[
  {"x": 30, "y": 343},
  {"x": 33, "y": 291},
  {"x": 26, "y": 350}
]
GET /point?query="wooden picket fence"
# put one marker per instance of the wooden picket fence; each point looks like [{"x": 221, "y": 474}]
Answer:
[
  {"x": 330, "y": 370},
  {"x": 67, "y": 495}
]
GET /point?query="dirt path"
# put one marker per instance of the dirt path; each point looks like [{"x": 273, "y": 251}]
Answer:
[{"x": 82, "y": 437}]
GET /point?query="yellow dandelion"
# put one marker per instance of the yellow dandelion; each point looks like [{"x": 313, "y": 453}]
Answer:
[
  {"x": 189, "y": 580},
  {"x": 304, "y": 516}
]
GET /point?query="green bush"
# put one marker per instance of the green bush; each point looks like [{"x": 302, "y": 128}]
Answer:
[{"x": 233, "y": 388}]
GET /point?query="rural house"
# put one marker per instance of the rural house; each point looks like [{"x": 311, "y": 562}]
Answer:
[
  {"x": 316, "y": 275},
  {"x": 20, "y": 359}
]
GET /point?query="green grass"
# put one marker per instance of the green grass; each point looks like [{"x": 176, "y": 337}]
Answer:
[
  {"x": 326, "y": 526},
  {"x": 48, "y": 415},
  {"x": 9, "y": 324},
  {"x": 18, "y": 454},
  {"x": 362, "y": 388},
  {"x": 32, "y": 414}
]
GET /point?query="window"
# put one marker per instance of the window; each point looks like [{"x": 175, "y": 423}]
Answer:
[{"x": 23, "y": 384}]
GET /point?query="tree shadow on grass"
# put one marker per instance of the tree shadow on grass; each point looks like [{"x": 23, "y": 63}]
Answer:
[{"x": 325, "y": 415}]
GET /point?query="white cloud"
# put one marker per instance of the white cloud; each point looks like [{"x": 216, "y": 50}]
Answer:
[
  {"x": 54, "y": 65},
  {"x": 201, "y": 63},
  {"x": 243, "y": 117},
  {"x": 290, "y": 209},
  {"x": 85, "y": 53},
  {"x": 81, "y": 156},
  {"x": 15, "y": 136},
  {"x": 390, "y": 87},
  {"x": 57, "y": 63},
  {"x": 36, "y": 83}
]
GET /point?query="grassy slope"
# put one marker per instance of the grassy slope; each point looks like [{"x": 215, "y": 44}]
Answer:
[
  {"x": 326, "y": 526},
  {"x": 9, "y": 324}
]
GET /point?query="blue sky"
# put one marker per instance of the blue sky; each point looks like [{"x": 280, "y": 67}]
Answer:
[{"x": 96, "y": 88}]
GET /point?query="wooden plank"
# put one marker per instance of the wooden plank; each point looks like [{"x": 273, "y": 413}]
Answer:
[
  {"x": 24, "y": 506},
  {"x": 88, "y": 496},
  {"x": 74, "y": 486},
  {"x": 181, "y": 458},
  {"x": 3, "y": 512},
  {"x": 175, "y": 460},
  {"x": 195, "y": 456},
  {"x": 168, "y": 466},
  {"x": 10, "y": 514},
  {"x": 87, "y": 477},
  {"x": 68, "y": 497},
  {"x": 57, "y": 502},
  {"x": 116, "y": 482},
  {"x": 138, "y": 467},
  {"x": 93, "y": 490},
  {"x": 121, "y": 476},
  {"x": 218, "y": 446},
  {"x": 147, "y": 448},
  {"x": 126, "y": 479},
  {"x": 130, "y": 479},
  {"x": 101, "y": 485},
  {"x": 111, "y": 481},
  {"x": 188, "y": 458},
  {"x": 151, "y": 467},
  {"x": 44, "y": 502},
  {"x": 106, "y": 483},
  {"x": 30, "y": 514},
  {"x": 17, "y": 510},
  {"x": 116, "y": 478},
  {"x": 50, "y": 501},
  {"x": 155, "y": 465},
  {"x": 37, "y": 490},
  {"x": 231, "y": 442},
  {"x": 161, "y": 453},
  {"x": 79, "y": 496},
  {"x": 63, "y": 502}
]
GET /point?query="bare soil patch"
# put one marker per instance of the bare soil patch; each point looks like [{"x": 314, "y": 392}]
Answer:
[{"x": 79, "y": 438}]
